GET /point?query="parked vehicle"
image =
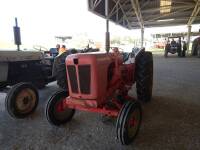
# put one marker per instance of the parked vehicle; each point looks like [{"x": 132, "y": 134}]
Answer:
[
  {"x": 25, "y": 66},
  {"x": 24, "y": 71},
  {"x": 99, "y": 83},
  {"x": 173, "y": 46}
]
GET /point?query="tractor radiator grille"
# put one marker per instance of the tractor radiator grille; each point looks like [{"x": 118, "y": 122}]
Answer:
[
  {"x": 72, "y": 78},
  {"x": 84, "y": 78}
]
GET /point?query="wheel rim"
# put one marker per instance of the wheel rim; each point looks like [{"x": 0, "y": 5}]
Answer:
[
  {"x": 61, "y": 112},
  {"x": 25, "y": 100},
  {"x": 133, "y": 123}
]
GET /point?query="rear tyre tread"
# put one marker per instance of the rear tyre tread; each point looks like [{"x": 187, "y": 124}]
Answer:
[
  {"x": 59, "y": 71},
  {"x": 144, "y": 76}
]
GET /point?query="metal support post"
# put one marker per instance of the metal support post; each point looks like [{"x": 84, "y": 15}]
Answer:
[
  {"x": 107, "y": 44},
  {"x": 188, "y": 38},
  {"x": 142, "y": 37}
]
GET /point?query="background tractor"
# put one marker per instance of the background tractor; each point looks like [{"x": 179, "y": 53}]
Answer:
[
  {"x": 24, "y": 71},
  {"x": 25, "y": 66},
  {"x": 173, "y": 46},
  {"x": 99, "y": 82}
]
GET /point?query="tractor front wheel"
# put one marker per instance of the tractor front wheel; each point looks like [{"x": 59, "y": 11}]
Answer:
[
  {"x": 21, "y": 100},
  {"x": 56, "y": 114},
  {"x": 128, "y": 122}
]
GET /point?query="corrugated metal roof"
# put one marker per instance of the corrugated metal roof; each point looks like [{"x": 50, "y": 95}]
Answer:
[{"x": 134, "y": 14}]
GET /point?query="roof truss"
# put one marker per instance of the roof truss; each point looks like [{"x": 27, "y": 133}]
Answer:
[{"x": 133, "y": 14}]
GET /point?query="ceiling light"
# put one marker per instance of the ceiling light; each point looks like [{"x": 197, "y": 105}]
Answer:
[
  {"x": 165, "y": 20},
  {"x": 165, "y": 6}
]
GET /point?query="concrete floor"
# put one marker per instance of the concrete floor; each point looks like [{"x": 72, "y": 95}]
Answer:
[{"x": 170, "y": 121}]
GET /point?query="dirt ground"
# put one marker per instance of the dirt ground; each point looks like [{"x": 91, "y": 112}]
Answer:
[{"x": 170, "y": 121}]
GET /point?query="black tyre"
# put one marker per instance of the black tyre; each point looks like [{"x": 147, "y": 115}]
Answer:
[
  {"x": 144, "y": 76},
  {"x": 59, "y": 71},
  {"x": 166, "y": 54},
  {"x": 2, "y": 85},
  {"x": 167, "y": 49},
  {"x": 198, "y": 51},
  {"x": 62, "y": 76},
  {"x": 179, "y": 53},
  {"x": 195, "y": 47},
  {"x": 128, "y": 122},
  {"x": 21, "y": 100},
  {"x": 55, "y": 113}
]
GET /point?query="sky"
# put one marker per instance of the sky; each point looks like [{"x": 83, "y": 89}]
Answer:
[{"x": 41, "y": 20}]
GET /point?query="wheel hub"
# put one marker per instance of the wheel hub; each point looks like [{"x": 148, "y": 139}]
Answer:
[
  {"x": 59, "y": 107},
  {"x": 60, "y": 111},
  {"x": 133, "y": 123},
  {"x": 25, "y": 100}
]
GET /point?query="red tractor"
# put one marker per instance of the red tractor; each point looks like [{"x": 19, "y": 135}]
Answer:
[{"x": 99, "y": 82}]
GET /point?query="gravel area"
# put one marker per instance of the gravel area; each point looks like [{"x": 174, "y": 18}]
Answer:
[{"x": 170, "y": 121}]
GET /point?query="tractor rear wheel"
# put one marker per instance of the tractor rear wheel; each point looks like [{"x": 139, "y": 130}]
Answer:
[
  {"x": 62, "y": 76},
  {"x": 144, "y": 76},
  {"x": 166, "y": 54},
  {"x": 128, "y": 122},
  {"x": 198, "y": 51},
  {"x": 59, "y": 71},
  {"x": 55, "y": 112},
  {"x": 22, "y": 100},
  {"x": 3, "y": 85}
]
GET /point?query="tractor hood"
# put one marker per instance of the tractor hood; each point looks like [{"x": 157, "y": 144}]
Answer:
[{"x": 11, "y": 56}]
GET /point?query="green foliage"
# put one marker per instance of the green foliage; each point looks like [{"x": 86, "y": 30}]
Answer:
[{"x": 123, "y": 40}]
